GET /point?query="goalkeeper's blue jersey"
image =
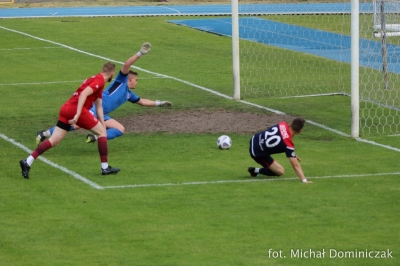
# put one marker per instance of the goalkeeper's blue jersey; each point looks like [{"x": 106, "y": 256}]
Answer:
[{"x": 116, "y": 94}]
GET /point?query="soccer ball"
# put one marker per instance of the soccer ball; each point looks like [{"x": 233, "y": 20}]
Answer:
[{"x": 224, "y": 142}]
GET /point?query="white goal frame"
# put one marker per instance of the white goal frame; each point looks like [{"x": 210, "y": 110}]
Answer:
[{"x": 355, "y": 101}]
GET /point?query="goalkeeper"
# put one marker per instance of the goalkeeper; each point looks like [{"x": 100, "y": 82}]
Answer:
[{"x": 116, "y": 94}]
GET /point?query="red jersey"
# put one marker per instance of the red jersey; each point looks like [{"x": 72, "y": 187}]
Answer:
[{"x": 97, "y": 84}]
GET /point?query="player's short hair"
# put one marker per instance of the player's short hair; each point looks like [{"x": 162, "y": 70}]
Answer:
[
  {"x": 133, "y": 73},
  {"x": 297, "y": 124},
  {"x": 108, "y": 67}
]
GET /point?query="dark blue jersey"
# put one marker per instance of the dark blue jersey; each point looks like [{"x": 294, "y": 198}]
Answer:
[
  {"x": 116, "y": 94},
  {"x": 276, "y": 139}
]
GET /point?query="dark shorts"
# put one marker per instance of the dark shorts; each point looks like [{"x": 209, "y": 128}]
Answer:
[
  {"x": 86, "y": 120},
  {"x": 265, "y": 161}
]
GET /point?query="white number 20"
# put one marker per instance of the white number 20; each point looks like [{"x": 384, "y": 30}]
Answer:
[{"x": 271, "y": 140}]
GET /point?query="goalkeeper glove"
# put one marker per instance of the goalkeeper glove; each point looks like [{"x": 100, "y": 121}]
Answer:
[
  {"x": 144, "y": 49},
  {"x": 163, "y": 103}
]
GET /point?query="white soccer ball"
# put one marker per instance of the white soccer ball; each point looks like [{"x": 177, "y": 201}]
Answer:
[{"x": 224, "y": 142}]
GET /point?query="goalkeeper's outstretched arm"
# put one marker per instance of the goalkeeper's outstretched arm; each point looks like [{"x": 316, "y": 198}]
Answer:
[
  {"x": 147, "y": 102},
  {"x": 144, "y": 49}
]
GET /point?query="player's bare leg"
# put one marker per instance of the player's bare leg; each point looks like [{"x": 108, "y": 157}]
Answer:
[
  {"x": 57, "y": 136},
  {"x": 277, "y": 168},
  {"x": 43, "y": 134},
  {"x": 112, "y": 123}
]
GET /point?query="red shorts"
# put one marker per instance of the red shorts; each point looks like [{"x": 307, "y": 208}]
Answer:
[{"x": 86, "y": 120}]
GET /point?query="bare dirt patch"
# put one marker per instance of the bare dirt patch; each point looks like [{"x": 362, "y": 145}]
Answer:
[{"x": 220, "y": 121}]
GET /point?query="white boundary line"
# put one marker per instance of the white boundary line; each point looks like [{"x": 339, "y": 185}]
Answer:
[
  {"x": 173, "y": 9},
  {"x": 62, "y": 168},
  {"x": 97, "y": 186},
  {"x": 312, "y": 95},
  {"x": 176, "y": 79},
  {"x": 245, "y": 181}
]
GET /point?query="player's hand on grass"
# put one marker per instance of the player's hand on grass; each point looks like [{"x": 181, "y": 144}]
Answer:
[
  {"x": 145, "y": 49},
  {"x": 165, "y": 104},
  {"x": 298, "y": 158}
]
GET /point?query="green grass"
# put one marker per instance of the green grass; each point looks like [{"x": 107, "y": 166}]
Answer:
[{"x": 56, "y": 219}]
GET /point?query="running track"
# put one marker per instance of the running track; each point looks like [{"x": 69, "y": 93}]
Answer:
[{"x": 170, "y": 10}]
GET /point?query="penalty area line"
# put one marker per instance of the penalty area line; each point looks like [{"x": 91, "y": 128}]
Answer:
[
  {"x": 243, "y": 181},
  {"x": 62, "y": 168}
]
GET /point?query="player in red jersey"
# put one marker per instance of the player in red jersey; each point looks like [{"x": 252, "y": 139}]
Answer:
[
  {"x": 276, "y": 139},
  {"x": 76, "y": 111}
]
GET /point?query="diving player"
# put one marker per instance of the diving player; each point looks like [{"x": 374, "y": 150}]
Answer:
[{"x": 276, "y": 139}]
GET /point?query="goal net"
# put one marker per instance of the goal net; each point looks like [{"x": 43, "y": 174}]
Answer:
[
  {"x": 294, "y": 57},
  {"x": 386, "y": 18}
]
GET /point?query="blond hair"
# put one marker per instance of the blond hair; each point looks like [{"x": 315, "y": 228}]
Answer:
[{"x": 108, "y": 67}]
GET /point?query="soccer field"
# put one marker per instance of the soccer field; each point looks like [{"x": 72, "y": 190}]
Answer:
[{"x": 178, "y": 199}]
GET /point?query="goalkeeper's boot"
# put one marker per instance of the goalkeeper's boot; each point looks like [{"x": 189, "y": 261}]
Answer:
[
  {"x": 40, "y": 137},
  {"x": 109, "y": 170},
  {"x": 25, "y": 168},
  {"x": 90, "y": 138},
  {"x": 251, "y": 171}
]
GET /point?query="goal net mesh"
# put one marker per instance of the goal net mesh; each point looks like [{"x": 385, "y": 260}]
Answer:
[{"x": 293, "y": 51}]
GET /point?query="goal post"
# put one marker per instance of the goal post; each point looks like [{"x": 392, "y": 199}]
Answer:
[
  {"x": 235, "y": 49},
  {"x": 355, "y": 74}
]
